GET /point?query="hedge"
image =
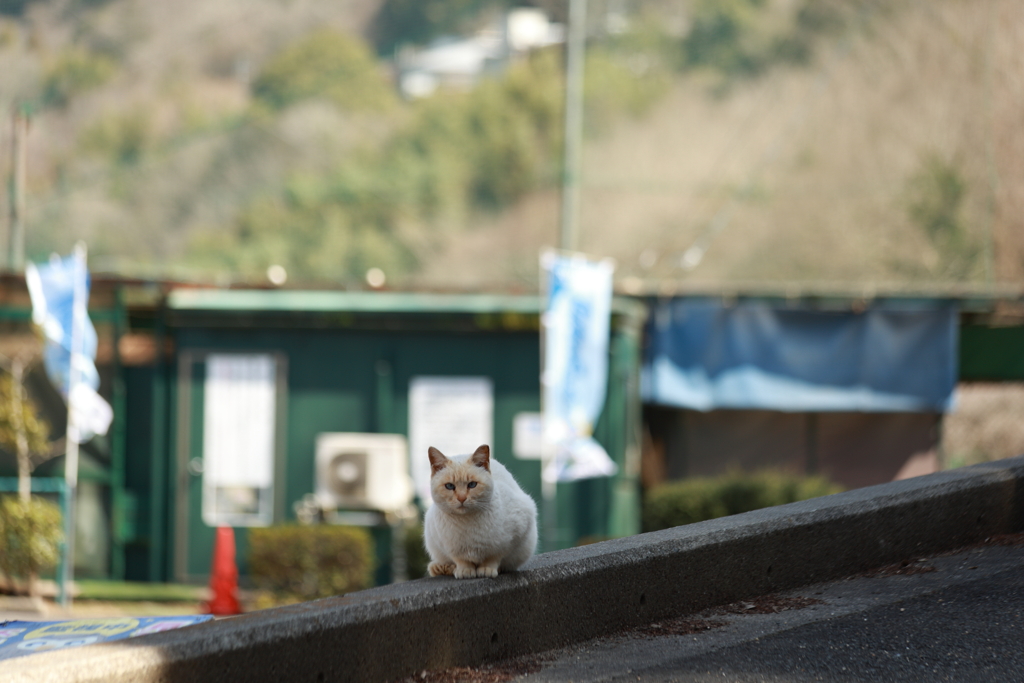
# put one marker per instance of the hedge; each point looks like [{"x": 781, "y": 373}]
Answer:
[
  {"x": 416, "y": 556},
  {"x": 694, "y": 500},
  {"x": 310, "y": 562}
]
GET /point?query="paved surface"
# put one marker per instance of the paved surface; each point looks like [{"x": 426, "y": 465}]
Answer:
[
  {"x": 574, "y": 595},
  {"x": 961, "y": 621},
  {"x": 25, "y": 609}
]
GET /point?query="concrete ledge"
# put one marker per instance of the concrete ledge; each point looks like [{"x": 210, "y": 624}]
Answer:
[{"x": 565, "y": 596}]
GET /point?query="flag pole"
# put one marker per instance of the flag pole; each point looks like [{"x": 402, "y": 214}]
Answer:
[
  {"x": 72, "y": 434},
  {"x": 567, "y": 241},
  {"x": 574, "y": 65},
  {"x": 548, "y": 485}
]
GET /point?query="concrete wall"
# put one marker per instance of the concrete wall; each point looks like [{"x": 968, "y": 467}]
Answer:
[{"x": 565, "y": 596}]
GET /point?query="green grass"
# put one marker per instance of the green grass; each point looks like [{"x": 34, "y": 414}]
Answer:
[{"x": 139, "y": 591}]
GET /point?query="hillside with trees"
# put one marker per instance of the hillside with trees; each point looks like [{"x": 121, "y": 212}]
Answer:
[{"x": 809, "y": 143}]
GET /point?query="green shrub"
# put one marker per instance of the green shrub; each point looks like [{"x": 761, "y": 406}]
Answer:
[
  {"x": 621, "y": 83},
  {"x": 325, "y": 64},
  {"x": 310, "y": 562},
  {"x": 936, "y": 194},
  {"x": 73, "y": 73},
  {"x": 724, "y": 36},
  {"x": 485, "y": 149},
  {"x": 121, "y": 136},
  {"x": 416, "y": 557},
  {"x": 746, "y": 38},
  {"x": 30, "y": 536},
  {"x": 457, "y": 153},
  {"x": 695, "y": 500}
]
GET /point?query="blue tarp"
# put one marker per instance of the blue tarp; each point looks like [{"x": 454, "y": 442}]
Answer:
[{"x": 703, "y": 355}]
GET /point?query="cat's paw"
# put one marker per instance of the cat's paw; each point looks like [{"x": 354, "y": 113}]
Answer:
[
  {"x": 440, "y": 569},
  {"x": 487, "y": 571},
  {"x": 465, "y": 571}
]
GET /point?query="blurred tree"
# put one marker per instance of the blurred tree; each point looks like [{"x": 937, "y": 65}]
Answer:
[
  {"x": 122, "y": 136},
  {"x": 459, "y": 152},
  {"x": 721, "y": 35},
  {"x": 30, "y": 528},
  {"x": 22, "y": 430},
  {"x": 498, "y": 141},
  {"x": 937, "y": 192},
  {"x": 935, "y": 198},
  {"x": 326, "y": 64},
  {"x": 619, "y": 82},
  {"x": 72, "y": 73},
  {"x": 744, "y": 38},
  {"x": 417, "y": 22},
  {"x": 822, "y": 16},
  {"x": 13, "y": 8}
]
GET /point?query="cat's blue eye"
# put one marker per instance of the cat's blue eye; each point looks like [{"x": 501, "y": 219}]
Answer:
[
  {"x": 471, "y": 485},
  {"x": 450, "y": 487}
]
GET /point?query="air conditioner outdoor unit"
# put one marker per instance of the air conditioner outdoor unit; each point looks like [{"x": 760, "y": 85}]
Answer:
[{"x": 363, "y": 471}]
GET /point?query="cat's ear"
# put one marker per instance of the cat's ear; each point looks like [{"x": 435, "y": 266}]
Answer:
[
  {"x": 482, "y": 457},
  {"x": 437, "y": 460}
]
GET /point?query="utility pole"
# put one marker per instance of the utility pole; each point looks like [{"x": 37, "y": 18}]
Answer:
[
  {"x": 568, "y": 237},
  {"x": 576, "y": 40},
  {"x": 79, "y": 319},
  {"x": 16, "y": 234}
]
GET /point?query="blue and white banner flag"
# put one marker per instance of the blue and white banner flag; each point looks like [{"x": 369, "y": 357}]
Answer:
[
  {"x": 576, "y": 322},
  {"x": 64, "y": 321}
]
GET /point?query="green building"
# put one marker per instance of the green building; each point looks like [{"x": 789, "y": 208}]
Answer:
[
  {"x": 343, "y": 363},
  {"x": 337, "y": 362}
]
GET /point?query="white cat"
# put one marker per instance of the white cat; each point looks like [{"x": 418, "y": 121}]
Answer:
[{"x": 481, "y": 522}]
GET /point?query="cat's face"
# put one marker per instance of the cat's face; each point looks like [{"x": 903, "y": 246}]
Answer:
[{"x": 461, "y": 487}]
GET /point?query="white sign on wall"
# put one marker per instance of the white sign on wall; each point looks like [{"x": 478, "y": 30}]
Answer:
[
  {"x": 453, "y": 414},
  {"x": 528, "y": 436},
  {"x": 238, "y": 439}
]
